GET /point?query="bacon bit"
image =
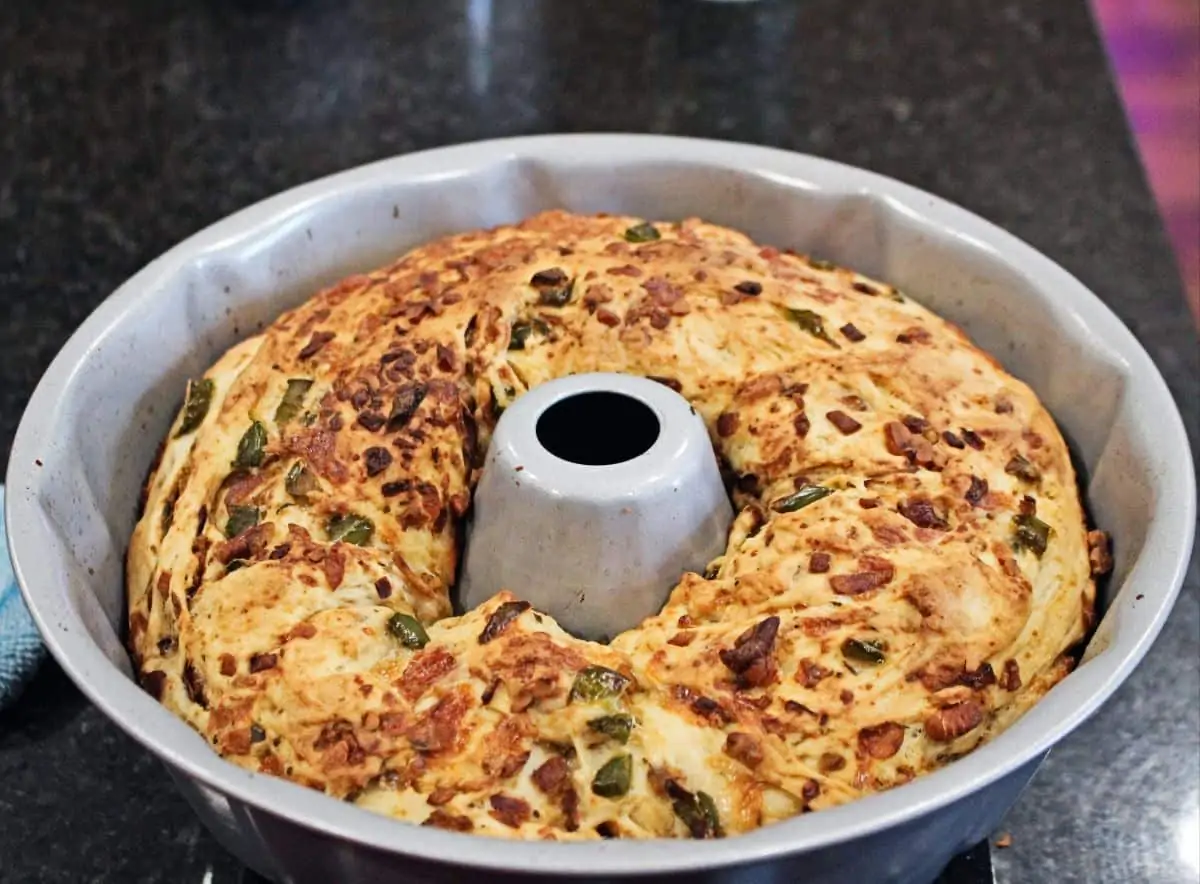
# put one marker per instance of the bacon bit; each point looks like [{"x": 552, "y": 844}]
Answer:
[
  {"x": 951, "y": 722},
  {"x": 830, "y": 762},
  {"x": 921, "y": 512},
  {"x": 250, "y": 544},
  {"x": 810, "y": 673},
  {"x": 552, "y": 775},
  {"x": 339, "y": 745},
  {"x": 749, "y": 287},
  {"x": 391, "y": 489},
  {"x": 625, "y": 270},
  {"x": 315, "y": 343},
  {"x": 868, "y": 503},
  {"x": 818, "y": 563},
  {"x": 423, "y": 670},
  {"x": 659, "y": 319},
  {"x": 334, "y": 566},
  {"x": 682, "y": 639},
  {"x": 750, "y": 658},
  {"x": 972, "y": 438},
  {"x": 897, "y": 438},
  {"x": 1099, "y": 552},
  {"x": 1028, "y": 506},
  {"x": 438, "y": 729},
  {"x": 913, "y": 335},
  {"x": 236, "y": 742},
  {"x": 888, "y": 535},
  {"x": 864, "y": 288},
  {"x": 154, "y": 682},
  {"x": 262, "y": 662},
  {"x": 377, "y": 460},
  {"x": 319, "y": 449},
  {"x": 228, "y": 665},
  {"x": 500, "y": 620},
  {"x": 745, "y": 748},
  {"x": 952, "y": 440},
  {"x": 447, "y": 359},
  {"x": 608, "y": 318},
  {"x": 512, "y": 812},
  {"x": 1011, "y": 679},
  {"x": 981, "y": 678},
  {"x": 270, "y": 764},
  {"x": 504, "y": 752},
  {"x": 852, "y": 333},
  {"x": 915, "y": 424},
  {"x": 441, "y": 795},
  {"x": 371, "y": 421},
  {"x": 727, "y": 424},
  {"x": 847, "y": 697},
  {"x": 846, "y": 424},
  {"x": 802, "y": 425},
  {"x": 706, "y": 707},
  {"x": 882, "y": 741},
  {"x": 490, "y": 692},
  {"x": 452, "y": 822},
  {"x": 810, "y": 791},
  {"x": 977, "y": 492},
  {"x": 300, "y": 630},
  {"x": 280, "y": 551},
  {"x": 193, "y": 683},
  {"x": 879, "y": 572},
  {"x": 596, "y": 295}
]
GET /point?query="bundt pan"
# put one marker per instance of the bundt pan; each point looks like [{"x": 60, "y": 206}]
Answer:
[{"x": 92, "y": 426}]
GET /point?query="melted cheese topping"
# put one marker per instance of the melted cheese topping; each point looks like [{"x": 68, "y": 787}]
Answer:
[{"x": 907, "y": 573}]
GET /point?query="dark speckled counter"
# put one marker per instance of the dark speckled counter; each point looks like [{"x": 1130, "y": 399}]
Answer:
[{"x": 126, "y": 125}]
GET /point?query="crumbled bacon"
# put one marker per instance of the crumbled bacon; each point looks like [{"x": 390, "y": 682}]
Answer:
[
  {"x": 818, "y": 562},
  {"x": 809, "y": 672},
  {"x": 424, "y": 669},
  {"x": 315, "y": 343},
  {"x": 727, "y": 424},
  {"x": 921, "y": 512},
  {"x": 453, "y": 822},
  {"x": 852, "y": 333},
  {"x": 881, "y": 741},
  {"x": 250, "y": 544},
  {"x": 512, "y": 812},
  {"x": 977, "y": 491},
  {"x": 845, "y": 423},
  {"x": 1099, "y": 552},
  {"x": 750, "y": 658},
  {"x": 745, "y": 748},
  {"x": 951, "y": 722},
  {"x": 1011, "y": 679}
]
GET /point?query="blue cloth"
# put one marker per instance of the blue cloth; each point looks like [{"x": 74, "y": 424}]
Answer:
[{"x": 20, "y": 646}]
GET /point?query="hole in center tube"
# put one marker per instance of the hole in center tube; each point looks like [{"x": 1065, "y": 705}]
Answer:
[{"x": 597, "y": 429}]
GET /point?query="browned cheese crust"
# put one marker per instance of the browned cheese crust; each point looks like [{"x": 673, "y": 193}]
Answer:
[{"x": 907, "y": 573}]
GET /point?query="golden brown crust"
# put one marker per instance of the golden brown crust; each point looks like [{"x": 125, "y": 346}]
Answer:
[{"x": 909, "y": 567}]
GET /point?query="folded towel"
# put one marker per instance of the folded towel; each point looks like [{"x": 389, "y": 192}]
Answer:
[{"x": 20, "y": 647}]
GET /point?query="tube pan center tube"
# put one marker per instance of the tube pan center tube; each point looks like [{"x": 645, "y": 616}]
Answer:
[{"x": 598, "y": 492}]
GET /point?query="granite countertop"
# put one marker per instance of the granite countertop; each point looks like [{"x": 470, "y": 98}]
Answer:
[{"x": 126, "y": 125}]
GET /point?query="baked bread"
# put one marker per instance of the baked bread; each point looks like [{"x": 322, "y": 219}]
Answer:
[{"x": 908, "y": 573}]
